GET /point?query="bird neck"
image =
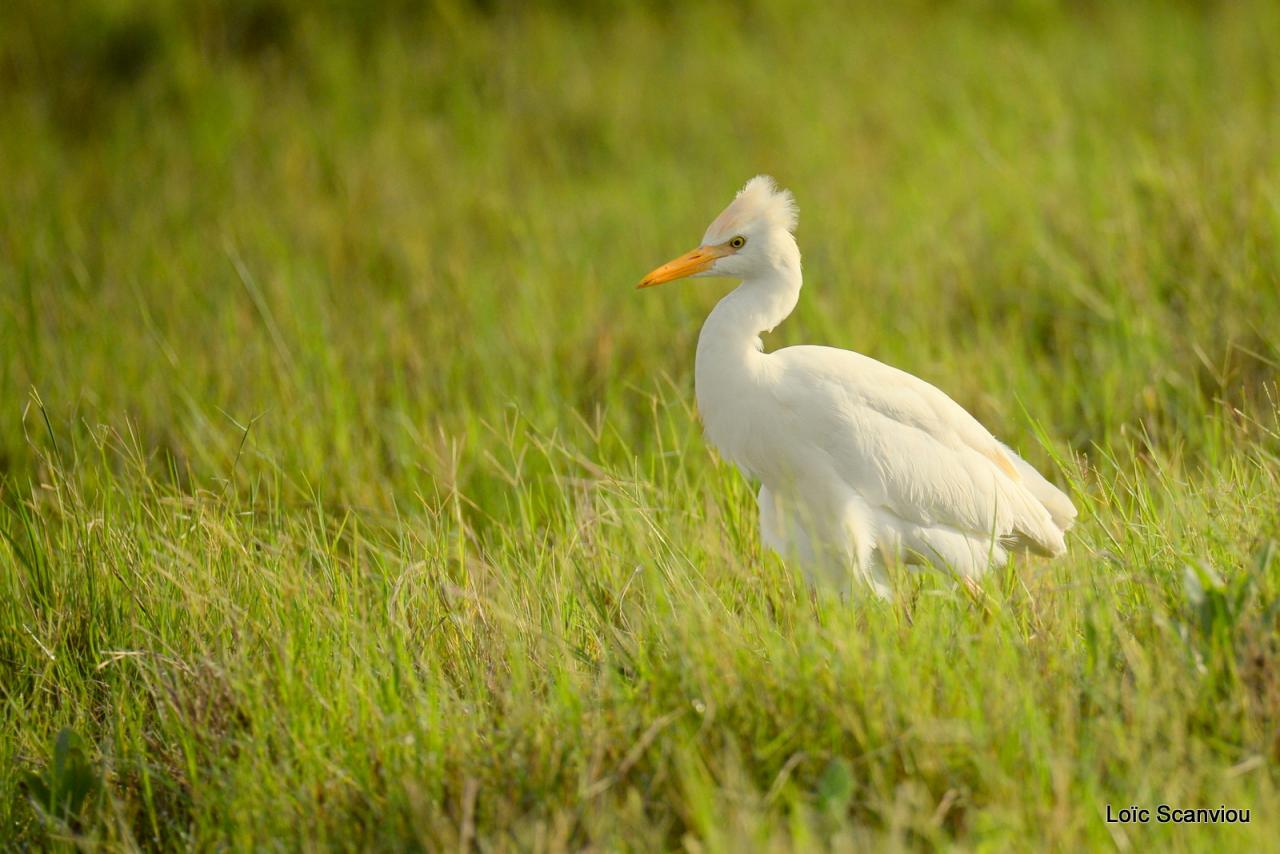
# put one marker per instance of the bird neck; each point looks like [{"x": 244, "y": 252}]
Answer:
[
  {"x": 731, "y": 362},
  {"x": 732, "y": 331}
]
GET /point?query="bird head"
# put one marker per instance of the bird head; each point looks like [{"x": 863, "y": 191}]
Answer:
[{"x": 750, "y": 236}]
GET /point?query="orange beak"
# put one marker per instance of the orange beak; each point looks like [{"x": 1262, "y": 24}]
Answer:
[{"x": 695, "y": 261}]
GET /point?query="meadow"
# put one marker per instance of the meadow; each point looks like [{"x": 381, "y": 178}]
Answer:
[{"x": 352, "y": 498}]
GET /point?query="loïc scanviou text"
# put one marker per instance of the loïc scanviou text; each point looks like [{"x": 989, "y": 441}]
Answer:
[{"x": 1166, "y": 814}]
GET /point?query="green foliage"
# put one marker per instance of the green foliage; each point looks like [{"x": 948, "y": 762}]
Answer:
[
  {"x": 350, "y": 496},
  {"x": 67, "y": 784},
  {"x": 835, "y": 787}
]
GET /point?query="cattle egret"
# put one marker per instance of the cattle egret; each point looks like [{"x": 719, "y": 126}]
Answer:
[{"x": 861, "y": 466}]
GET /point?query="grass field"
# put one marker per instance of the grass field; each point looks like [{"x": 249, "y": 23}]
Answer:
[{"x": 350, "y": 496}]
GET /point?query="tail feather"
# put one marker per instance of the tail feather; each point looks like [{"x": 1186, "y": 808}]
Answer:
[{"x": 1054, "y": 500}]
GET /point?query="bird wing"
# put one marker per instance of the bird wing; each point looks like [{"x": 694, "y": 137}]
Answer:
[{"x": 908, "y": 448}]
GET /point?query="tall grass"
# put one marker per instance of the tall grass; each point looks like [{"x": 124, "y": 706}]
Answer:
[{"x": 350, "y": 496}]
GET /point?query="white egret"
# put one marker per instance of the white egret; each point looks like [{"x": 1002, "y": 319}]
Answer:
[{"x": 862, "y": 466}]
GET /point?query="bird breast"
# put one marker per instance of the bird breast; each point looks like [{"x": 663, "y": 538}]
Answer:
[{"x": 744, "y": 421}]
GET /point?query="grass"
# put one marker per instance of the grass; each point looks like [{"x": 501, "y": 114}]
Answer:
[{"x": 351, "y": 498}]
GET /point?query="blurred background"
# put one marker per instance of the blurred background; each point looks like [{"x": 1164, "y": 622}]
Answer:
[{"x": 364, "y": 226}]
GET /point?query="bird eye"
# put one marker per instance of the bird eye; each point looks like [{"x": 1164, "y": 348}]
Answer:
[{"x": 738, "y": 242}]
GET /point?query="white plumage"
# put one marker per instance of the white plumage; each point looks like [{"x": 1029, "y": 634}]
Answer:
[{"x": 861, "y": 465}]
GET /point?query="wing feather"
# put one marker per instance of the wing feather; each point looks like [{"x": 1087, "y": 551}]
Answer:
[{"x": 907, "y": 447}]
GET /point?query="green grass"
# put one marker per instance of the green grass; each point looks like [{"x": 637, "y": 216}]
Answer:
[{"x": 351, "y": 497}]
